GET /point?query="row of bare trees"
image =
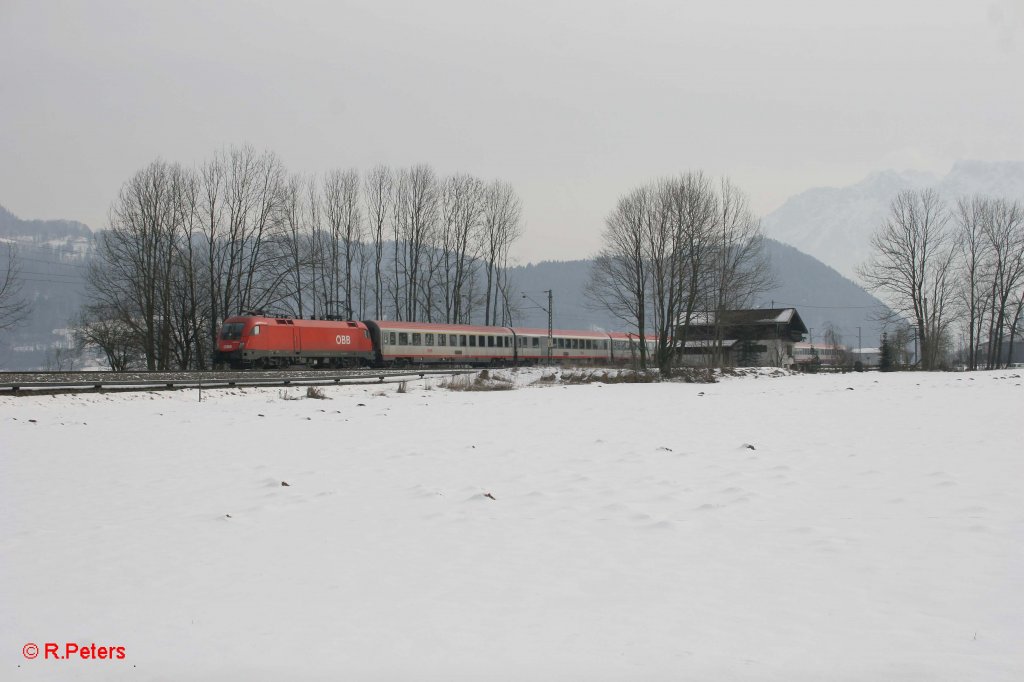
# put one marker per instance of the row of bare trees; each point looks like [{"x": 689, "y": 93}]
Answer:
[
  {"x": 948, "y": 267},
  {"x": 188, "y": 247},
  {"x": 676, "y": 249}
]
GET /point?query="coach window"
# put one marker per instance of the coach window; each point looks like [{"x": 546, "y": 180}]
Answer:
[
  {"x": 428, "y": 339},
  {"x": 462, "y": 340},
  {"x": 442, "y": 339},
  {"x": 490, "y": 342},
  {"x": 536, "y": 342},
  {"x": 472, "y": 341},
  {"x": 481, "y": 340},
  {"x": 391, "y": 338},
  {"x": 403, "y": 339}
]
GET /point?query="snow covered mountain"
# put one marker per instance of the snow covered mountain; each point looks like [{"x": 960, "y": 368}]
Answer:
[{"x": 834, "y": 224}]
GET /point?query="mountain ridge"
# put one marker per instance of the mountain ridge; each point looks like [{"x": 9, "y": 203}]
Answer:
[{"x": 835, "y": 224}]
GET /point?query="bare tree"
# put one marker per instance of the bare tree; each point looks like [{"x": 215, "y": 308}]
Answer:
[
  {"x": 971, "y": 215},
  {"x": 99, "y": 326},
  {"x": 415, "y": 215},
  {"x": 741, "y": 269},
  {"x": 694, "y": 217},
  {"x": 378, "y": 187},
  {"x": 344, "y": 224},
  {"x": 1005, "y": 232},
  {"x": 673, "y": 247},
  {"x": 501, "y": 227},
  {"x": 912, "y": 264},
  {"x": 619, "y": 279},
  {"x": 462, "y": 208},
  {"x": 132, "y": 272},
  {"x": 14, "y": 307},
  {"x": 296, "y": 237}
]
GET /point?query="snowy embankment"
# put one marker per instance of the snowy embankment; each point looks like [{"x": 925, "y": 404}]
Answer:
[{"x": 755, "y": 529}]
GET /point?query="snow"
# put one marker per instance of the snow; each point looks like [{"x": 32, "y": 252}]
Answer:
[{"x": 758, "y": 528}]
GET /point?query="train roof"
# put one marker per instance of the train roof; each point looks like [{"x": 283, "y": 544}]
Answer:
[
  {"x": 300, "y": 321},
  {"x": 582, "y": 333},
  {"x": 436, "y": 327}
]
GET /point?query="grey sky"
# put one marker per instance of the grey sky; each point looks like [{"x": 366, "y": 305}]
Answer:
[{"x": 572, "y": 102}]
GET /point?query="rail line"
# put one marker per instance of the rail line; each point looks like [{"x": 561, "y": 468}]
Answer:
[{"x": 35, "y": 383}]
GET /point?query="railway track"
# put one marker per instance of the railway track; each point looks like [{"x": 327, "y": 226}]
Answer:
[{"x": 35, "y": 383}]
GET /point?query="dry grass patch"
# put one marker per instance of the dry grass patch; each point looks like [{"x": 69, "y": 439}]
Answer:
[
  {"x": 484, "y": 381},
  {"x": 316, "y": 393}
]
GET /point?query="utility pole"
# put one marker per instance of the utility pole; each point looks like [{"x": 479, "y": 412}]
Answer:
[
  {"x": 551, "y": 322},
  {"x": 550, "y": 310}
]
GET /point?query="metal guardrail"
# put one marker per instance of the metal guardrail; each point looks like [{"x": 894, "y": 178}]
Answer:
[{"x": 95, "y": 381}]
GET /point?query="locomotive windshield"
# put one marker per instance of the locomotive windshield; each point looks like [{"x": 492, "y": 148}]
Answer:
[{"x": 231, "y": 331}]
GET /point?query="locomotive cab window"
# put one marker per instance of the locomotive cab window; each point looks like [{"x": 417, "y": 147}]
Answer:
[
  {"x": 255, "y": 330},
  {"x": 231, "y": 331}
]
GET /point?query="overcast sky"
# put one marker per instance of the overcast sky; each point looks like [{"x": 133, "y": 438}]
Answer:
[{"x": 574, "y": 103}]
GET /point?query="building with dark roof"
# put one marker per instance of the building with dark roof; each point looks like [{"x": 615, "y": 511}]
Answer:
[{"x": 750, "y": 337}]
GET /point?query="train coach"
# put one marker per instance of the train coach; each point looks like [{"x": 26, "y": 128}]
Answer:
[{"x": 266, "y": 342}]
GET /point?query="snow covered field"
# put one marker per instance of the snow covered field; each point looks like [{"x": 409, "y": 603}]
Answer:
[{"x": 596, "y": 532}]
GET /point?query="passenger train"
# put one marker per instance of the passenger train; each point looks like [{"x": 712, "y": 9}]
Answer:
[{"x": 260, "y": 341}]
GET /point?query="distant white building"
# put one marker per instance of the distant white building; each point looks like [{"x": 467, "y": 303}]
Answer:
[
  {"x": 868, "y": 357},
  {"x": 824, "y": 354}
]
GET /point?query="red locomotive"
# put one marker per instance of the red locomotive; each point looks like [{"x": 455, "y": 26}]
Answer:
[
  {"x": 259, "y": 341},
  {"x": 262, "y": 342}
]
